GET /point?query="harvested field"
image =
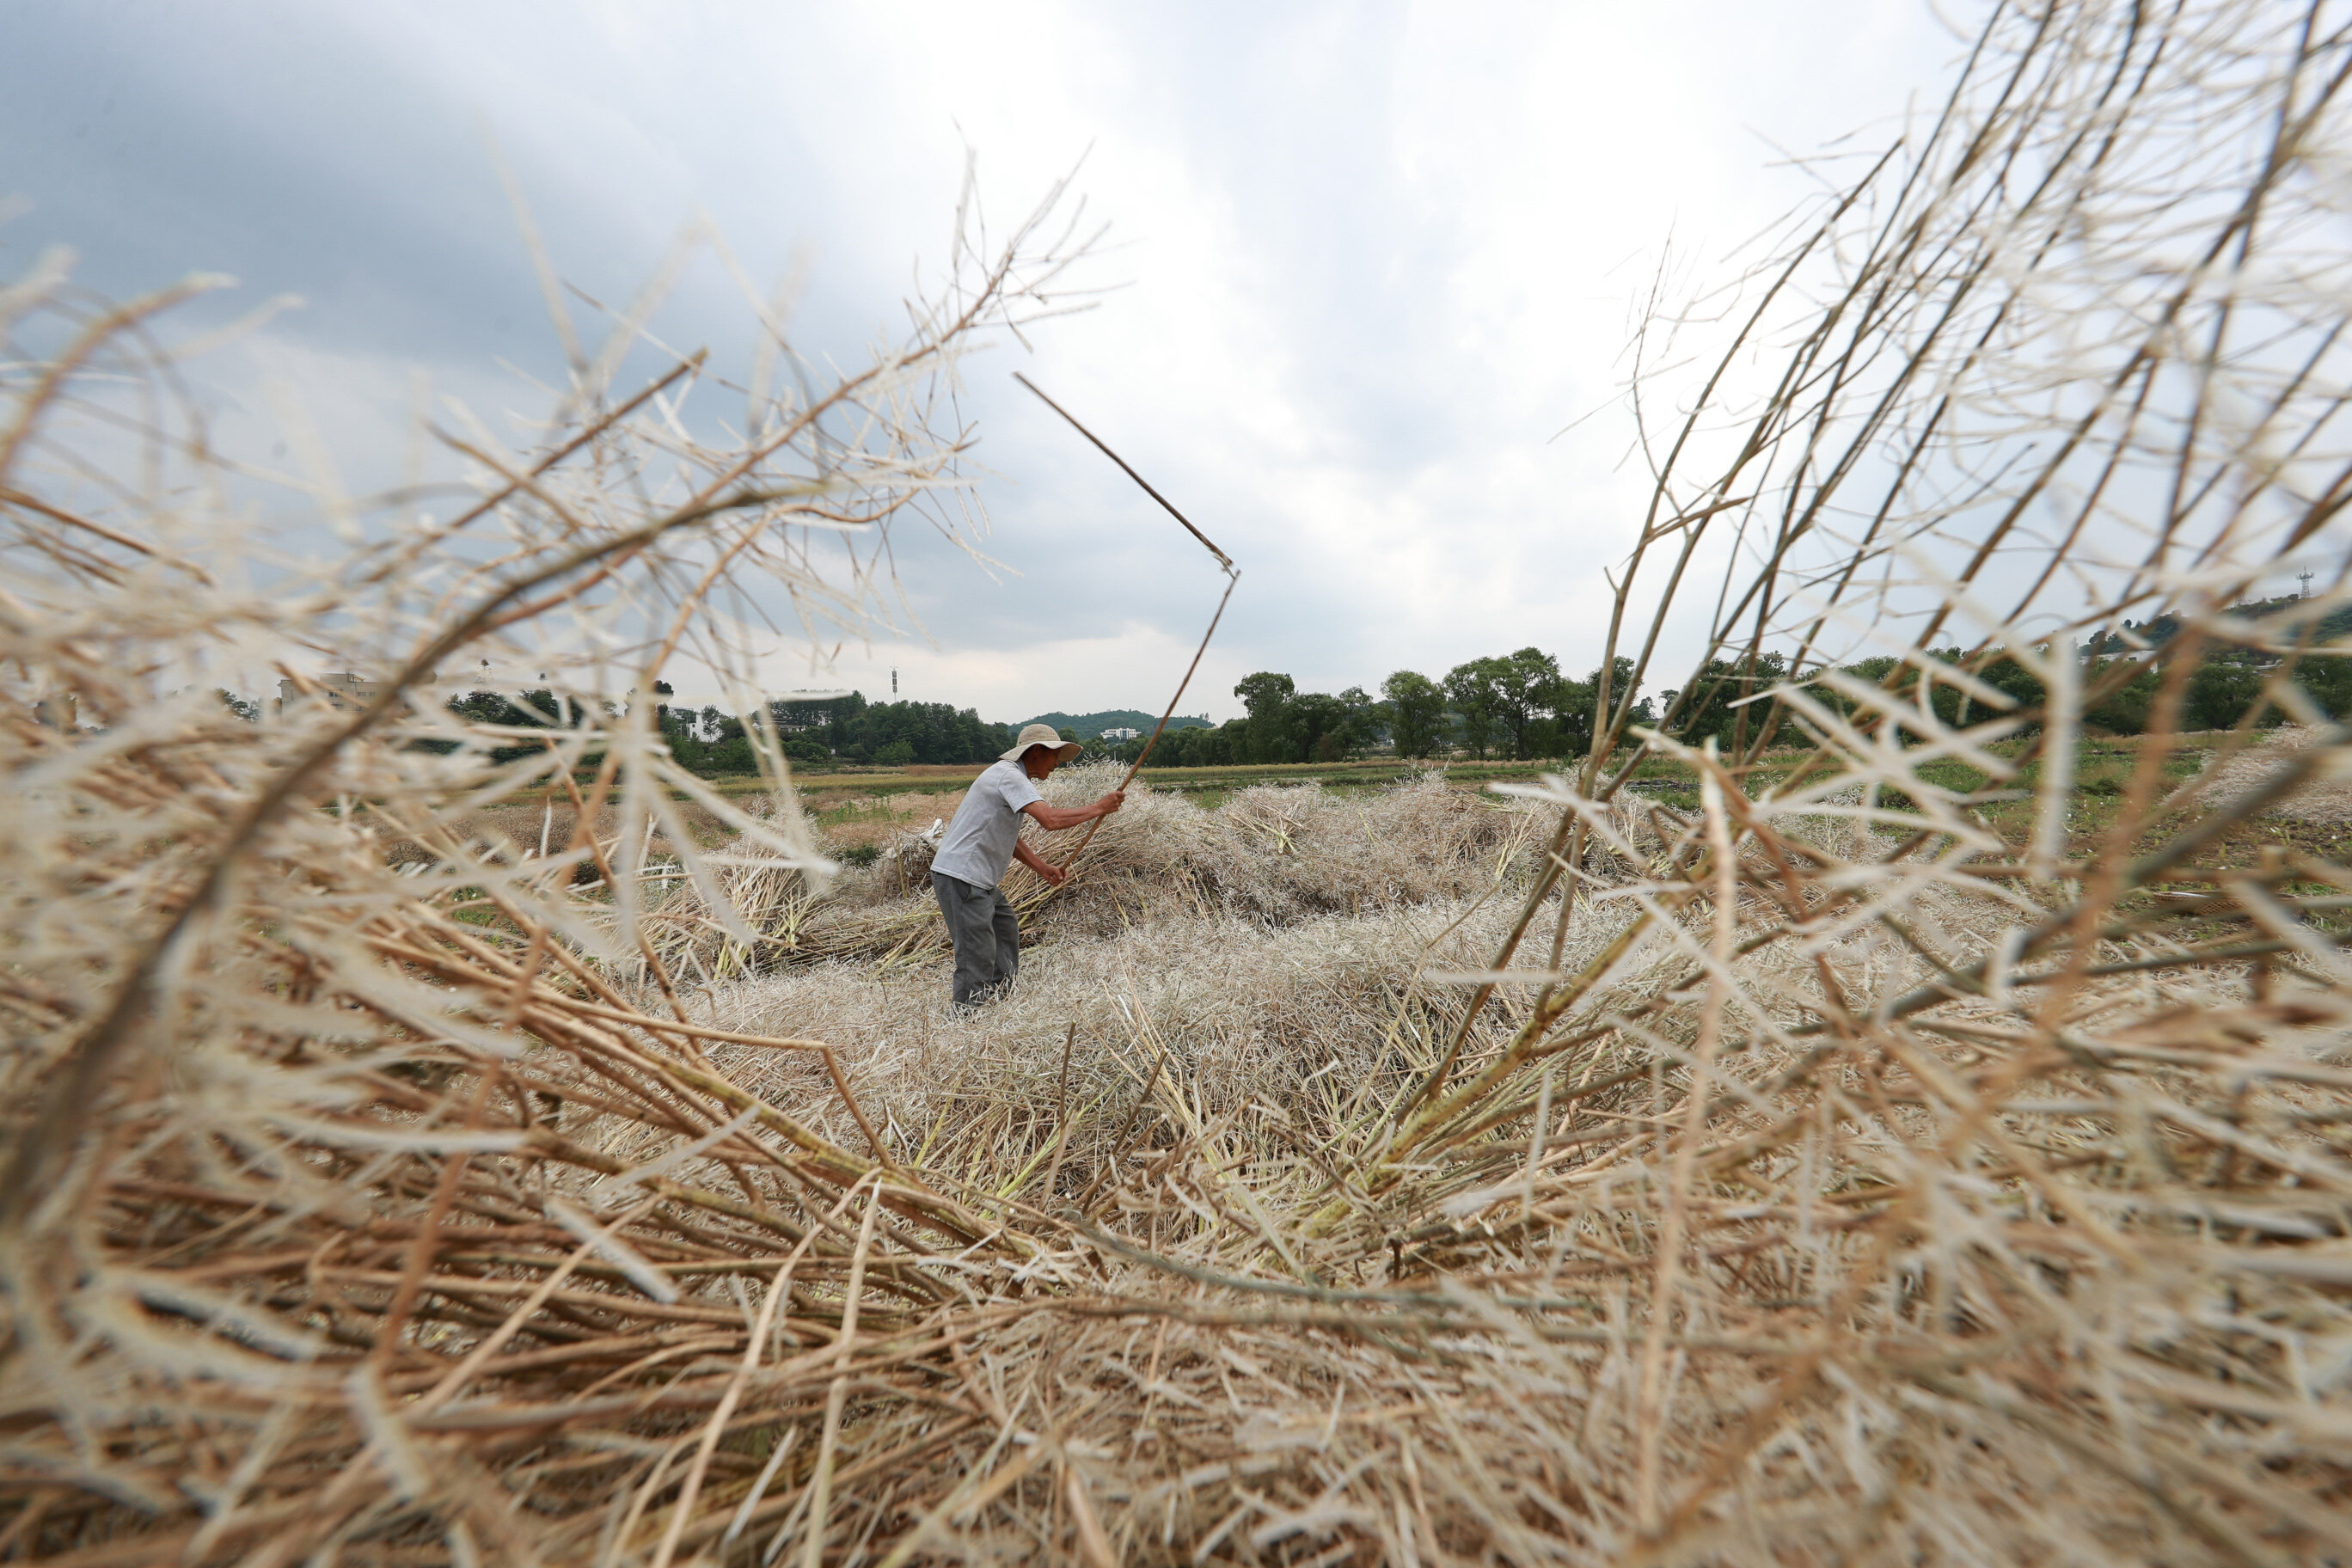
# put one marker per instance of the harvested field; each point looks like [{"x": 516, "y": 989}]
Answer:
[
  {"x": 838, "y": 821},
  {"x": 2325, "y": 796},
  {"x": 879, "y": 819},
  {"x": 1867, "y": 1159},
  {"x": 1271, "y": 855},
  {"x": 519, "y": 828}
]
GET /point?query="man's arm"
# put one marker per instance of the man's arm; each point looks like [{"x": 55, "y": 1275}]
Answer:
[
  {"x": 1054, "y": 818},
  {"x": 1054, "y": 875}
]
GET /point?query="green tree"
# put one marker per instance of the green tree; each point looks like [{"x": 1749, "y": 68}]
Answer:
[
  {"x": 934, "y": 732},
  {"x": 1471, "y": 695},
  {"x": 1579, "y": 708},
  {"x": 1567, "y": 731},
  {"x": 2326, "y": 679},
  {"x": 1364, "y": 722},
  {"x": 1201, "y": 746},
  {"x": 1416, "y": 712},
  {"x": 1267, "y": 697},
  {"x": 723, "y": 746},
  {"x": 2123, "y": 711},
  {"x": 2015, "y": 681},
  {"x": 841, "y": 721},
  {"x": 1315, "y": 730},
  {"x": 1526, "y": 689},
  {"x": 1712, "y": 706},
  {"x": 516, "y": 710},
  {"x": 2221, "y": 690}
]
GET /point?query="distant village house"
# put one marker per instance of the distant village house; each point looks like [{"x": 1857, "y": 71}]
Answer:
[{"x": 347, "y": 689}]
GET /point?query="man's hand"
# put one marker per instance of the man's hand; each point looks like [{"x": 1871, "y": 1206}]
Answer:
[
  {"x": 1055, "y": 818},
  {"x": 1052, "y": 874}
]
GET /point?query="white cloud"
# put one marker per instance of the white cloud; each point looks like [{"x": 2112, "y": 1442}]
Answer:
[{"x": 1376, "y": 256}]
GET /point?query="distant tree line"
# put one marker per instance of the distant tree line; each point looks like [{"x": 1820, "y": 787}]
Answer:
[
  {"x": 847, "y": 728},
  {"x": 1515, "y": 706},
  {"x": 1520, "y": 706},
  {"x": 1511, "y": 707},
  {"x": 887, "y": 735},
  {"x": 2226, "y": 683},
  {"x": 541, "y": 710},
  {"x": 714, "y": 742}
]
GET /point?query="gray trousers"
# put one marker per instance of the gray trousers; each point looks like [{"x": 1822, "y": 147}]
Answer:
[{"x": 986, "y": 933}]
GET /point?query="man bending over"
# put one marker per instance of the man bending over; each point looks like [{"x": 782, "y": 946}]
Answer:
[{"x": 981, "y": 846}]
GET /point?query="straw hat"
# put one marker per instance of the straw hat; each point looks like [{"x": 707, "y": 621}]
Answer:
[{"x": 1042, "y": 735}]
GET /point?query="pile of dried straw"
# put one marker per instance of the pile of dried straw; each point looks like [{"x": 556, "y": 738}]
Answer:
[{"x": 1274, "y": 854}]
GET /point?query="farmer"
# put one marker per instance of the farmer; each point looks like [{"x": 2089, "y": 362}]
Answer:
[{"x": 981, "y": 844}]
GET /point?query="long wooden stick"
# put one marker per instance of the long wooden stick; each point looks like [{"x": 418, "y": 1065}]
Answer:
[
  {"x": 1137, "y": 766},
  {"x": 1188, "y": 669},
  {"x": 1223, "y": 560},
  {"x": 1233, "y": 576}
]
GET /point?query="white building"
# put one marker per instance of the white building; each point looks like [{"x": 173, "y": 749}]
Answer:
[
  {"x": 1113, "y": 736},
  {"x": 347, "y": 689}
]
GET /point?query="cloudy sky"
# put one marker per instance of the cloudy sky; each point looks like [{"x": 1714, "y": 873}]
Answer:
[{"x": 1371, "y": 258}]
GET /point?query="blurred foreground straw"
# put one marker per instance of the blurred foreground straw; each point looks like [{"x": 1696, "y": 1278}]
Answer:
[{"x": 1883, "y": 1159}]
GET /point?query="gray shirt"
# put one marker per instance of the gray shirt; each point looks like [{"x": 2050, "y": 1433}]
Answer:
[{"x": 979, "y": 844}]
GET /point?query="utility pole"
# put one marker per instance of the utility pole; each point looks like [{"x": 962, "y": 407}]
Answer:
[{"x": 894, "y": 683}]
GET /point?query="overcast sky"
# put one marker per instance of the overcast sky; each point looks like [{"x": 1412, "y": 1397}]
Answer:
[{"x": 1374, "y": 257}]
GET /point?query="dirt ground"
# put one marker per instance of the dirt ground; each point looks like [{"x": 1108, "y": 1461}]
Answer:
[
  {"x": 844, "y": 820},
  {"x": 2326, "y": 798}
]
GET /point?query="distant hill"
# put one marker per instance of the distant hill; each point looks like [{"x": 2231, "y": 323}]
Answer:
[
  {"x": 1086, "y": 726},
  {"x": 2334, "y": 626}
]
